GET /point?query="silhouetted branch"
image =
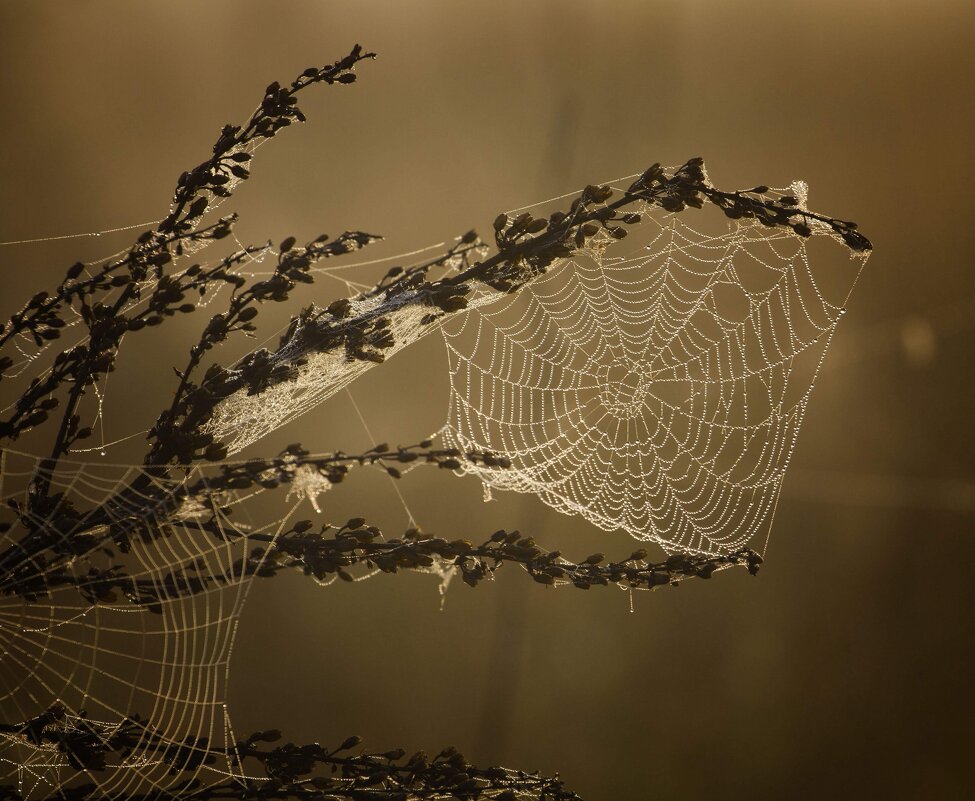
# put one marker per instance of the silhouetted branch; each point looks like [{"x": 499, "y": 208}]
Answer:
[
  {"x": 356, "y": 544},
  {"x": 333, "y": 551},
  {"x": 290, "y": 771}
]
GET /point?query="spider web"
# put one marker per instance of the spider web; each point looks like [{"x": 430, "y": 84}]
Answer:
[
  {"x": 148, "y": 661},
  {"x": 654, "y": 385},
  {"x": 99, "y": 660}
]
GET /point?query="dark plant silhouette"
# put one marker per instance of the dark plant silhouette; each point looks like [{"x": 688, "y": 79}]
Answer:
[{"x": 48, "y": 535}]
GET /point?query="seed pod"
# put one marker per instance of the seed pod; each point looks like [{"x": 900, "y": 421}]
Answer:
[
  {"x": 339, "y": 308},
  {"x": 215, "y": 451}
]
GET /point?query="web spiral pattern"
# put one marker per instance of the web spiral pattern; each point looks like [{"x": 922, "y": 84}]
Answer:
[{"x": 656, "y": 385}]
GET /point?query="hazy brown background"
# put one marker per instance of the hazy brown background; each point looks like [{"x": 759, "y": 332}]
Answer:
[{"x": 845, "y": 669}]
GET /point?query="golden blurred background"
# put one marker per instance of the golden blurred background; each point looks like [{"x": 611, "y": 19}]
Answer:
[{"x": 844, "y": 669}]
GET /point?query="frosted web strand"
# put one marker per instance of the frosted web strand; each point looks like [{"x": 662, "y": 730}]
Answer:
[{"x": 83, "y": 235}]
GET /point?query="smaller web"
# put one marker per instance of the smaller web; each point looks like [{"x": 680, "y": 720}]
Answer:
[
  {"x": 97, "y": 660},
  {"x": 82, "y": 670},
  {"x": 655, "y": 385}
]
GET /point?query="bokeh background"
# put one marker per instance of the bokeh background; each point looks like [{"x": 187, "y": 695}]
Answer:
[{"x": 844, "y": 669}]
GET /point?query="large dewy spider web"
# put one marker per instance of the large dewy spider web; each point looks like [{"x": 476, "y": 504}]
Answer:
[
  {"x": 654, "y": 385},
  {"x": 658, "y": 385}
]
